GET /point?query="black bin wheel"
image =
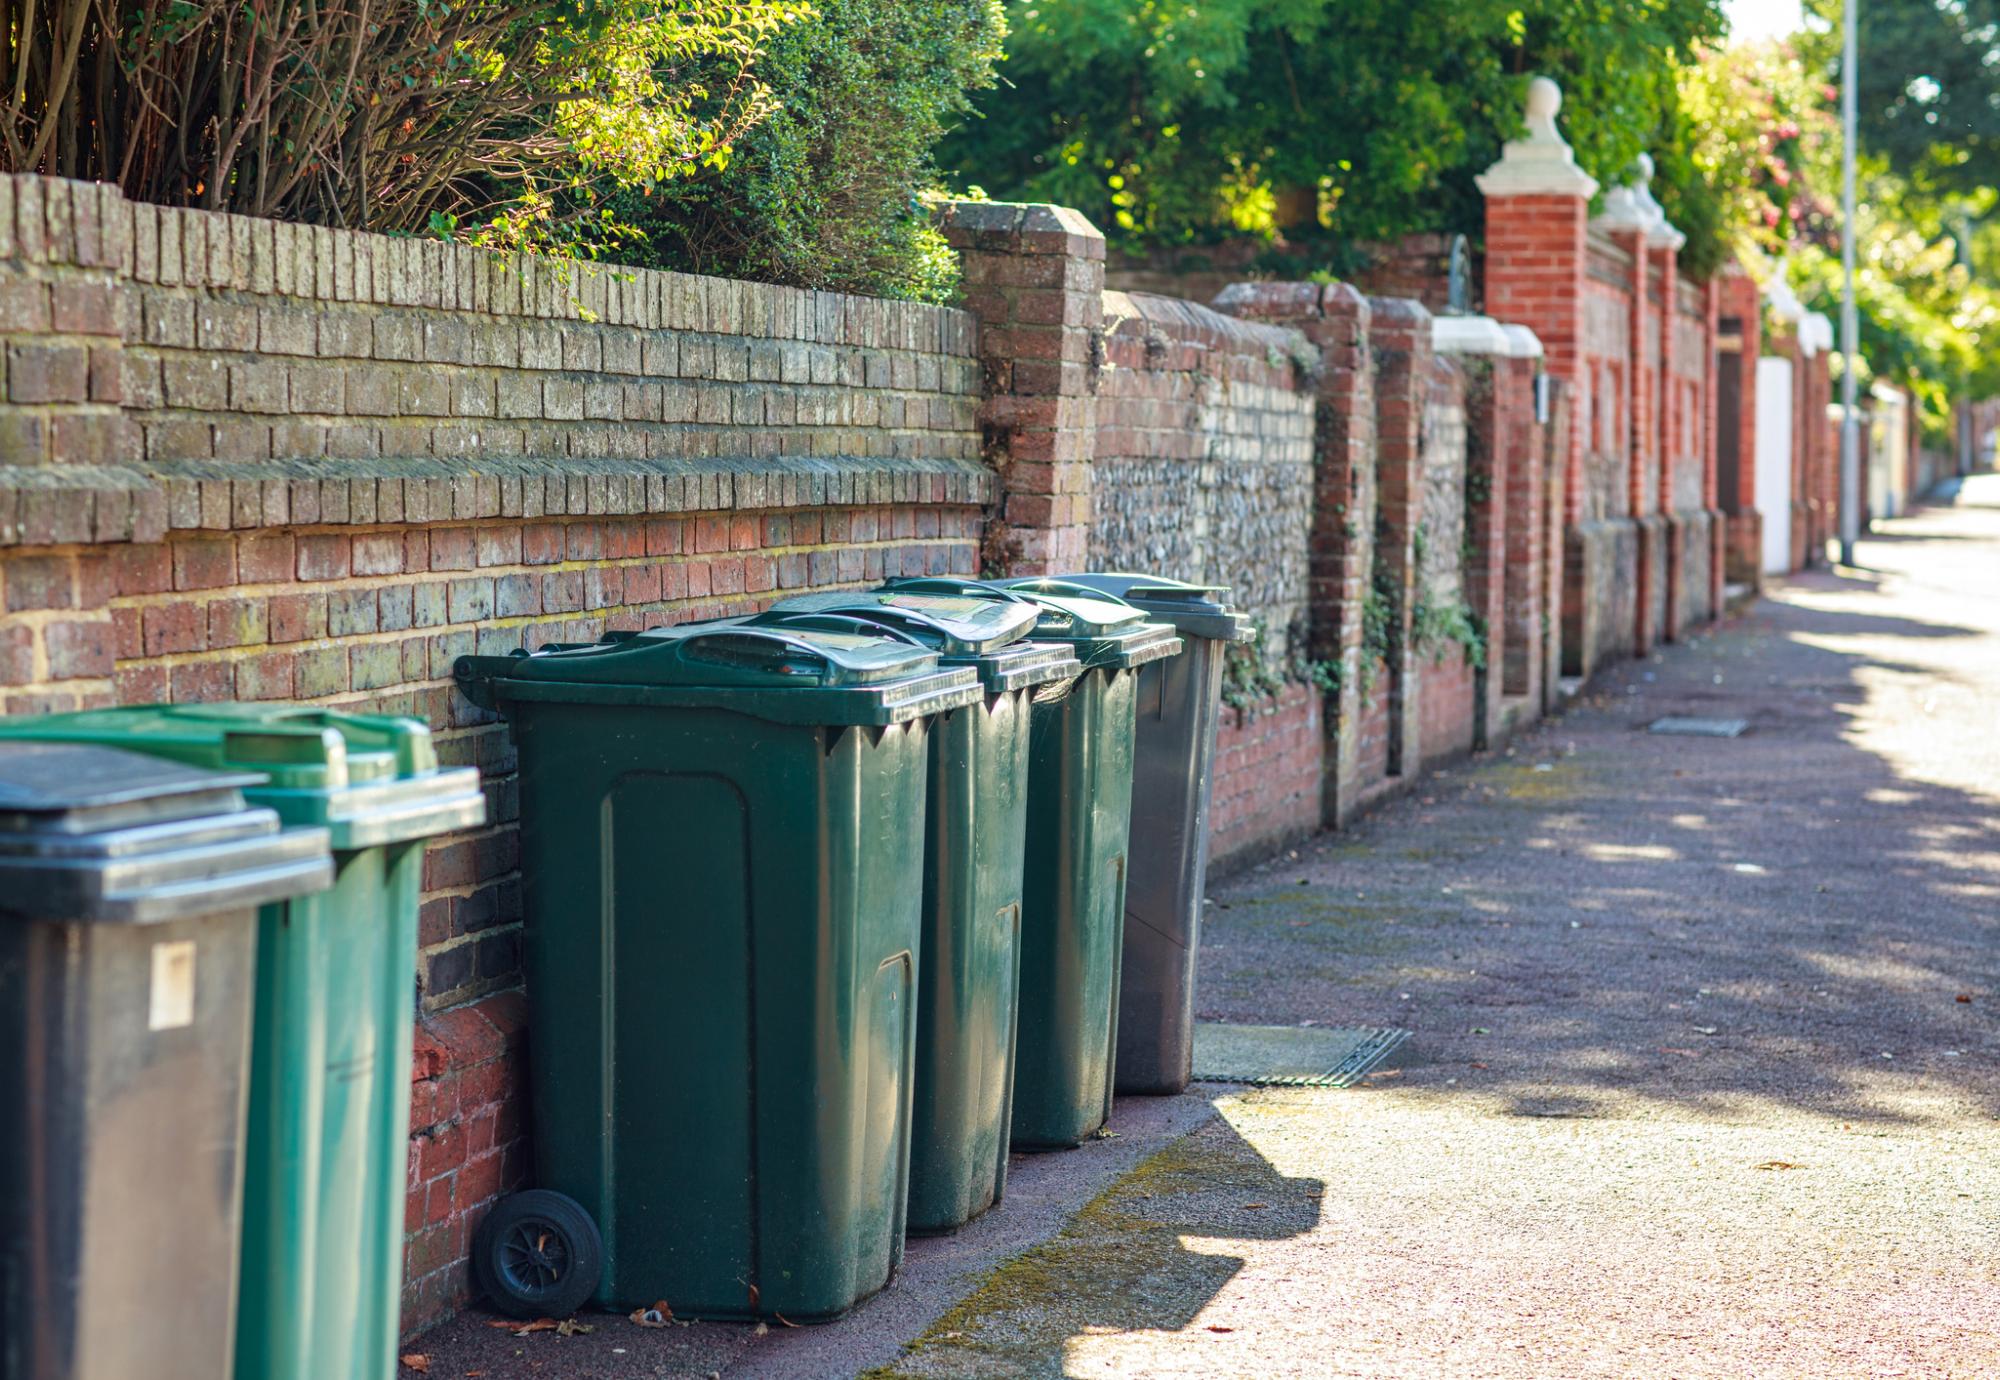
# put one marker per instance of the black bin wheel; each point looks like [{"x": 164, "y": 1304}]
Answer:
[{"x": 537, "y": 1255}]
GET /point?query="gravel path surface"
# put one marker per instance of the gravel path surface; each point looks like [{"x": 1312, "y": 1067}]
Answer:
[{"x": 1706, "y": 1070}]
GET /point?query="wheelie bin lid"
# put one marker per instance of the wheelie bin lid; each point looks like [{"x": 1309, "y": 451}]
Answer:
[
  {"x": 785, "y": 675},
  {"x": 985, "y": 634},
  {"x": 92, "y": 834},
  {"x": 368, "y": 779},
  {"x": 1103, "y": 629},
  {"x": 1197, "y": 610}
]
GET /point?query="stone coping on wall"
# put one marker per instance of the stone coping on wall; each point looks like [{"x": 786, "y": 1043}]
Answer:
[
  {"x": 1133, "y": 313},
  {"x": 54, "y": 504},
  {"x": 92, "y": 225}
]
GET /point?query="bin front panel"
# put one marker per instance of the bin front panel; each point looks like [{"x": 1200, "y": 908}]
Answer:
[
  {"x": 1173, "y": 772},
  {"x": 977, "y": 833},
  {"x": 328, "y": 1134},
  {"x": 122, "y": 1056},
  {"x": 1072, "y": 916},
  {"x": 722, "y": 925}
]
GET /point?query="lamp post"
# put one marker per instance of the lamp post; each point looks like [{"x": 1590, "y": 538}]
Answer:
[{"x": 1850, "y": 326}]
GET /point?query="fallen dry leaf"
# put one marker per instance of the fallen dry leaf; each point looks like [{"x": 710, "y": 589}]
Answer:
[
  {"x": 1964, "y": 996},
  {"x": 522, "y": 1329},
  {"x": 417, "y": 1362},
  {"x": 570, "y": 1327},
  {"x": 1255, "y": 1205},
  {"x": 785, "y": 1320},
  {"x": 659, "y": 1315},
  {"x": 1777, "y": 1164},
  {"x": 1212, "y": 1327}
]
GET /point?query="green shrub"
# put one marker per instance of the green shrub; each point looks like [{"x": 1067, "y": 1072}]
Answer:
[
  {"x": 495, "y": 119},
  {"x": 827, "y": 191}
]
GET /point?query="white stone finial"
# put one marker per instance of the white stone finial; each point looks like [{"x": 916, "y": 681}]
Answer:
[
  {"x": 1541, "y": 162},
  {"x": 1633, "y": 208},
  {"x": 1785, "y": 304},
  {"x": 1545, "y": 102}
]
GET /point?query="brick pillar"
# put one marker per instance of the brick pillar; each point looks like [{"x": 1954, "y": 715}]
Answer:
[
  {"x": 1400, "y": 332},
  {"x": 1034, "y": 276},
  {"x": 1820, "y": 457},
  {"x": 1504, "y": 468},
  {"x": 1521, "y": 464},
  {"x": 1668, "y": 447},
  {"x": 1739, "y": 338},
  {"x": 1641, "y": 437},
  {"x": 1537, "y": 210},
  {"x": 1537, "y": 205},
  {"x": 1337, "y": 320},
  {"x": 1711, "y": 439},
  {"x": 1555, "y": 464}
]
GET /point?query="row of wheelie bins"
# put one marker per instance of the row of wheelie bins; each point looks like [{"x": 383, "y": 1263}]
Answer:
[
  {"x": 208, "y": 939},
  {"x": 831, "y": 907},
  {"x": 828, "y": 908}
]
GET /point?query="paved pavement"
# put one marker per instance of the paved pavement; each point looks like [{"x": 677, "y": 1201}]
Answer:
[{"x": 1706, "y": 1077}]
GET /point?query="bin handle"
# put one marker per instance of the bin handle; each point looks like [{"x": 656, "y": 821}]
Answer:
[
  {"x": 1055, "y": 584},
  {"x": 759, "y": 641},
  {"x": 931, "y": 584},
  {"x": 845, "y": 622}
]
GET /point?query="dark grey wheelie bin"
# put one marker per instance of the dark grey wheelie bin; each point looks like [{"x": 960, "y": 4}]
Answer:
[
  {"x": 129, "y": 889},
  {"x": 975, "y": 839},
  {"x": 1073, "y": 883},
  {"x": 1173, "y": 770}
]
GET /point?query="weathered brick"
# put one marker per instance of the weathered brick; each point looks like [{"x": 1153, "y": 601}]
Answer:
[
  {"x": 323, "y": 556},
  {"x": 43, "y": 372},
  {"x": 267, "y": 677}
]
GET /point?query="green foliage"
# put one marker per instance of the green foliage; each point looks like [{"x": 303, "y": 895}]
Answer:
[
  {"x": 1763, "y": 137},
  {"x": 1251, "y": 676},
  {"x": 1351, "y": 119},
  {"x": 826, "y": 192},
  {"x": 1746, "y": 153},
  {"x": 1435, "y": 626},
  {"x": 497, "y": 120},
  {"x": 1929, "y": 95}
]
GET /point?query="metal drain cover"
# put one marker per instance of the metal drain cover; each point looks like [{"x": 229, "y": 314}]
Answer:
[
  {"x": 1292, "y": 1056},
  {"x": 1699, "y": 728}
]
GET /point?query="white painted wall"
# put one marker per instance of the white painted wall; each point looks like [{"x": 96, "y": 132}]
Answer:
[{"x": 1774, "y": 461}]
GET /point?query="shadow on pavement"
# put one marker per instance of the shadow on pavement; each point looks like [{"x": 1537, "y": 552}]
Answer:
[{"x": 1807, "y": 915}]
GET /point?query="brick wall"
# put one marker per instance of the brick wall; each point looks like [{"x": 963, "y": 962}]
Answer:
[
  {"x": 1269, "y": 759},
  {"x": 1202, "y": 464},
  {"x": 260, "y": 461},
  {"x": 1447, "y": 708}
]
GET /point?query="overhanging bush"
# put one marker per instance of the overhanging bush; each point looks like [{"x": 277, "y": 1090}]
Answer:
[
  {"x": 380, "y": 114},
  {"x": 825, "y": 192}
]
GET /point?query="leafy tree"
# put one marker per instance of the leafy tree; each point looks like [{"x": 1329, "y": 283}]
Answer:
[
  {"x": 1929, "y": 94},
  {"x": 1747, "y": 155},
  {"x": 1358, "y": 119},
  {"x": 826, "y": 192}
]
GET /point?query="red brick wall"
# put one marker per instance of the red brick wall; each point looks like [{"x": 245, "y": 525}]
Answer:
[
  {"x": 1445, "y": 703},
  {"x": 1268, "y": 762},
  {"x": 247, "y": 460}
]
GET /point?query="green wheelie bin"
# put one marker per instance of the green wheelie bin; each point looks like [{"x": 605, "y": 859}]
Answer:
[
  {"x": 327, "y": 1141},
  {"x": 975, "y": 834},
  {"x": 1180, "y": 706},
  {"x": 1073, "y": 887},
  {"x": 129, "y": 889},
  {"x": 722, "y": 868}
]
